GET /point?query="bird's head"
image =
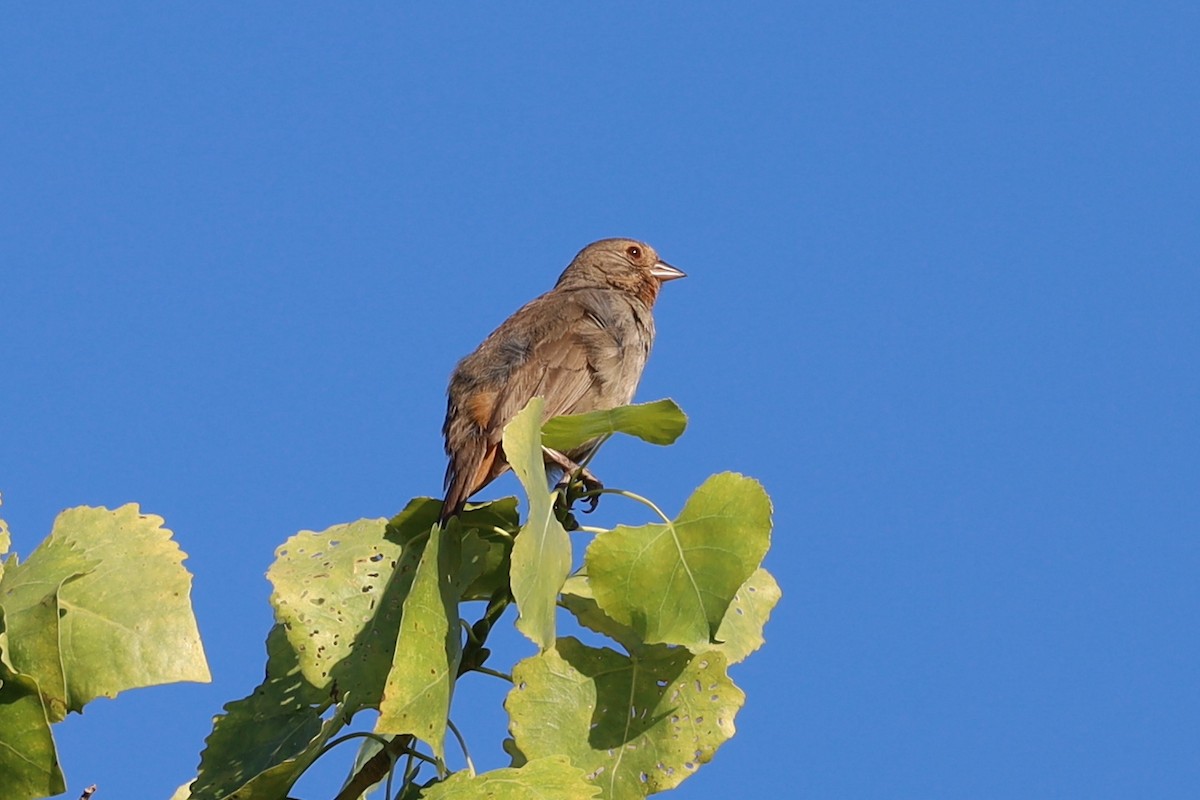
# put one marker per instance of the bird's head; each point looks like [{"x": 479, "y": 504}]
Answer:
[{"x": 625, "y": 264}]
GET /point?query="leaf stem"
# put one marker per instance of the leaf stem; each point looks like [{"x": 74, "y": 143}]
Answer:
[
  {"x": 411, "y": 769},
  {"x": 493, "y": 672},
  {"x": 463, "y": 744},
  {"x": 635, "y": 497},
  {"x": 587, "y": 459},
  {"x": 387, "y": 787},
  {"x": 382, "y": 740}
]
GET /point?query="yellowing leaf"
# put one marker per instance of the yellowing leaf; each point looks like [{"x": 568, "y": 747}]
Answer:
[
  {"x": 552, "y": 778},
  {"x": 101, "y": 606},
  {"x": 29, "y": 595},
  {"x": 28, "y": 759}
]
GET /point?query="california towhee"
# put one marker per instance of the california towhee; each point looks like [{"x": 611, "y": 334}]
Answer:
[{"x": 581, "y": 346}]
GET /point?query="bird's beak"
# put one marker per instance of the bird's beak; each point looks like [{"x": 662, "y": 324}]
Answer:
[{"x": 665, "y": 272}]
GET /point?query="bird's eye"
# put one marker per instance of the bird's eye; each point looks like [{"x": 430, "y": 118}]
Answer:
[{"x": 634, "y": 251}]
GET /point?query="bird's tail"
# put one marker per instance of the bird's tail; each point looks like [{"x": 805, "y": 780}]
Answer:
[
  {"x": 456, "y": 494},
  {"x": 469, "y": 470}
]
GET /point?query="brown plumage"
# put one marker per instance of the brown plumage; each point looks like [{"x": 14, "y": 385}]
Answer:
[{"x": 581, "y": 346}]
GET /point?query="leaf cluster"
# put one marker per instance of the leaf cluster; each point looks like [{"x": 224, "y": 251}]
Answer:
[
  {"x": 99, "y": 607},
  {"x": 370, "y": 617}
]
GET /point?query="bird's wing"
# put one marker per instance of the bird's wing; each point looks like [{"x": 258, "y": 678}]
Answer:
[
  {"x": 550, "y": 348},
  {"x": 561, "y": 367}
]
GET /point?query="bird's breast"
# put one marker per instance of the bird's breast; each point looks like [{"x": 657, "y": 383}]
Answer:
[{"x": 618, "y": 343}]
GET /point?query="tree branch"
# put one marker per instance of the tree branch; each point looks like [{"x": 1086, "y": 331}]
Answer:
[{"x": 377, "y": 767}]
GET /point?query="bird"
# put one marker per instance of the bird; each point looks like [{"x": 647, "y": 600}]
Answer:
[{"x": 581, "y": 346}]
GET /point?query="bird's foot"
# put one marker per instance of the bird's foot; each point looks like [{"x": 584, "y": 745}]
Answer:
[
  {"x": 584, "y": 486},
  {"x": 577, "y": 481}
]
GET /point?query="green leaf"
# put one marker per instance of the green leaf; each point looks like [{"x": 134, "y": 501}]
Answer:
[
  {"x": 500, "y": 513},
  {"x": 416, "y": 697},
  {"x": 487, "y": 545},
  {"x": 29, "y": 594},
  {"x": 263, "y": 743},
  {"x": 577, "y": 597},
  {"x": 552, "y": 778},
  {"x": 741, "y": 631},
  {"x": 101, "y": 606},
  {"x": 635, "y": 724},
  {"x": 541, "y": 556},
  {"x": 672, "y": 583},
  {"x": 660, "y": 422},
  {"x": 28, "y": 760}
]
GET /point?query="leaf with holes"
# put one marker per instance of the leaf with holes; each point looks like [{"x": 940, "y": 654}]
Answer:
[
  {"x": 552, "y": 778},
  {"x": 340, "y": 593},
  {"x": 660, "y": 422},
  {"x": 635, "y": 724},
  {"x": 673, "y": 582},
  {"x": 333, "y": 589},
  {"x": 541, "y": 556},
  {"x": 260, "y": 746},
  {"x": 741, "y": 631}
]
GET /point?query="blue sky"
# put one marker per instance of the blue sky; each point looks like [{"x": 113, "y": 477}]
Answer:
[{"x": 944, "y": 277}]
